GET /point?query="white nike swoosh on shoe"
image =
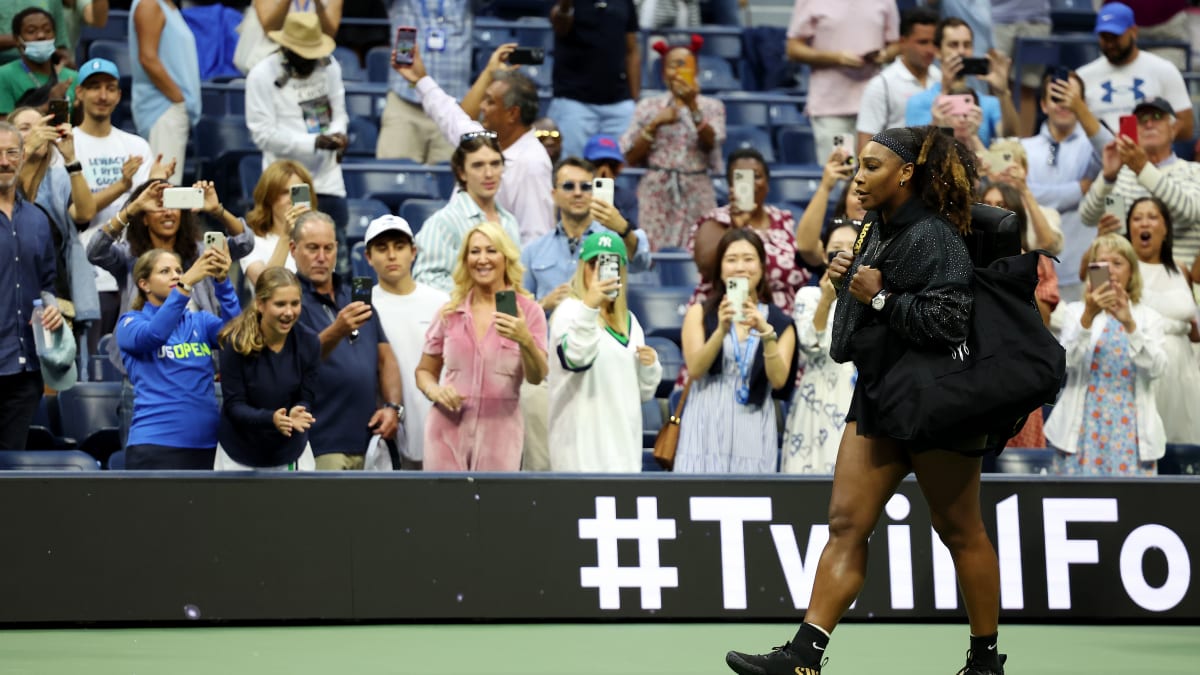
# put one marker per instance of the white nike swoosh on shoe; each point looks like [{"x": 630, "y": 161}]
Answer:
[
  {"x": 991, "y": 648},
  {"x": 818, "y": 647}
]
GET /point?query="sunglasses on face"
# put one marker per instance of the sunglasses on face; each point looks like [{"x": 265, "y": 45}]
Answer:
[
  {"x": 472, "y": 135},
  {"x": 570, "y": 186},
  {"x": 546, "y": 133},
  {"x": 1151, "y": 115}
]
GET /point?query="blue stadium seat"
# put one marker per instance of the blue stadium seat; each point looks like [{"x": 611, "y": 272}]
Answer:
[
  {"x": 660, "y": 309},
  {"x": 1025, "y": 460},
  {"x": 116, "y": 461},
  {"x": 796, "y": 145},
  {"x": 366, "y": 102},
  {"x": 535, "y": 32},
  {"x": 88, "y": 408},
  {"x": 221, "y": 142},
  {"x": 651, "y": 423},
  {"x": 116, "y": 51},
  {"x": 391, "y": 185},
  {"x": 491, "y": 33},
  {"x": 788, "y": 114},
  {"x": 1070, "y": 16},
  {"x": 676, "y": 267},
  {"x": 737, "y": 136},
  {"x": 47, "y": 460},
  {"x": 249, "y": 171},
  {"x": 797, "y": 187},
  {"x": 742, "y": 110},
  {"x": 364, "y": 134},
  {"x": 417, "y": 211},
  {"x": 352, "y": 71},
  {"x": 358, "y": 261},
  {"x": 102, "y": 369},
  {"x": 714, "y": 73},
  {"x": 541, "y": 74},
  {"x": 724, "y": 42},
  {"x": 671, "y": 358},
  {"x": 379, "y": 63},
  {"x": 362, "y": 212},
  {"x": 116, "y": 28}
]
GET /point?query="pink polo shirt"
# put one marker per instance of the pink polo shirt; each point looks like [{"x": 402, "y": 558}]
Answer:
[
  {"x": 487, "y": 432},
  {"x": 859, "y": 26}
]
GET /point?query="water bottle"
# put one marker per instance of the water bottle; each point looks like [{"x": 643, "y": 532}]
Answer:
[{"x": 42, "y": 338}]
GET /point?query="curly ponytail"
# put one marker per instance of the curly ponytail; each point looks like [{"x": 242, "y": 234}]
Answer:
[
  {"x": 944, "y": 176},
  {"x": 244, "y": 333}
]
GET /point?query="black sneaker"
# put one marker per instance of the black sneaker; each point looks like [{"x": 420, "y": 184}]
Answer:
[
  {"x": 780, "y": 661},
  {"x": 977, "y": 669}
]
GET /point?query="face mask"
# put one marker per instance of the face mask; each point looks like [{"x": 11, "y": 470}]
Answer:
[{"x": 39, "y": 51}]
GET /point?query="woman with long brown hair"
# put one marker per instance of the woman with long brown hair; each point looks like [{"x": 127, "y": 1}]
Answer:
[
  {"x": 911, "y": 273},
  {"x": 268, "y": 381}
]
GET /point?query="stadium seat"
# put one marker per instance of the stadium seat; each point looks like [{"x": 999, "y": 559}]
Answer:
[
  {"x": 660, "y": 309},
  {"x": 788, "y": 114},
  {"x": 379, "y": 63},
  {"x": 364, "y": 134},
  {"x": 391, "y": 185},
  {"x": 249, "y": 171},
  {"x": 535, "y": 32},
  {"x": 116, "y": 461},
  {"x": 116, "y": 51},
  {"x": 221, "y": 142},
  {"x": 796, "y": 145},
  {"x": 1069, "y": 16},
  {"x": 741, "y": 110},
  {"x": 737, "y": 137},
  {"x": 362, "y": 212},
  {"x": 795, "y": 187},
  {"x": 47, "y": 460},
  {"x": 365, "y": 102},
  {"x": 358, "y": 261},
  {"x": 417, "y": 211},
  {"x": 671, "y": 358},
  {"x": 491, "y": 33},
  {"x": 676, "y": 267},
  {"x": 541, "y": 74},
  {"x": 89, "y": 407},
  {"x": 714, "y": 73},
  {"x": 1180, "y": 460},
  {"x": 102, "y": 369},
  {"x": 1025, "y": 460},
  {"x": 352, "y": 71}
]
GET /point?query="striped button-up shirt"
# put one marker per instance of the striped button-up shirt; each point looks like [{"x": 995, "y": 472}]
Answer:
[{"x": 441, "y": 237}]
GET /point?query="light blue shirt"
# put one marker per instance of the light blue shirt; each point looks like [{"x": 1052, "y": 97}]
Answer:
[
  {"x": 441, "y": 237},
  {"x": 177, "y": 51},
  {"x": 549, "y": 262},
  {"x": 919, "y": 111},
  {"x": 449, "y": 67}
]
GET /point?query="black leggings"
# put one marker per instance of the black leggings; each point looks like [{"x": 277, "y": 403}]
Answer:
[{"x": 146, "y": 457}]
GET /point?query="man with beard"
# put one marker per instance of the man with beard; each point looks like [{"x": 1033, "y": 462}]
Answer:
[
  {"x": 1125, "y": 75},
  {"x": 296, "y": 109}
]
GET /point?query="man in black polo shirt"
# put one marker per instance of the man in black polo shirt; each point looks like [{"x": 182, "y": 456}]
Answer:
[
  {"x": 594, "y": 88},
  {"x": 354, "y": 352}
]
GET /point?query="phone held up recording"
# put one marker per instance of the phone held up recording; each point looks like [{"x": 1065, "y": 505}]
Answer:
[
  {"x": 506, "y": 302},
  {"x": 609, "y": 267},
  {"x": 406, "y": 41},
  {"x": 743, "y": 190},
  {"x": 603, "y": 190},
  {"x": 360, "y": 289},
  {"x": 301, "y": 195},
  {"x": 738, "y": 290},
  {"x": 1098, "y": 275}
]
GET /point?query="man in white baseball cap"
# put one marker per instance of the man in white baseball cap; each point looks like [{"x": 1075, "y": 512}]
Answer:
[{"x": 405, "y": 309}]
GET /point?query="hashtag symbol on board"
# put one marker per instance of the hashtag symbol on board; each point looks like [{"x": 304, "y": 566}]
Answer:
[{"x": 608, "y": 575}]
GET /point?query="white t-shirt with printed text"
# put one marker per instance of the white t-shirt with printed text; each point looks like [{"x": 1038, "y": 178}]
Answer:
[
  {"x": 1113, "y": 91},
  {"x": 102, "y": 158}
]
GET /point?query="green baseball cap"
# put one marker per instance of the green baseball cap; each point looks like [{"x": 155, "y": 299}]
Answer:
[{"x": 603, "y": 242}]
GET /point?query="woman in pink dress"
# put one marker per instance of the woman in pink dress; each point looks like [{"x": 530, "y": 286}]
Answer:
[
  {"x": 475, "y": 358},
  {"x": 677, "y": 136}
]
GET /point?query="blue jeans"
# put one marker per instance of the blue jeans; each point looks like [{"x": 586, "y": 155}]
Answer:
[{"x": 577, "y": 122}]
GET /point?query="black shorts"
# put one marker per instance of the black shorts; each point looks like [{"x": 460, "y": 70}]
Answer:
[{"x": 863, "y": 416}]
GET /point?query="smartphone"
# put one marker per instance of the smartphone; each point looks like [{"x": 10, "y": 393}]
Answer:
[
  {"x": 506, "y": 302},
  {"x": 999, "y": 161},
  {"x": 738, "y": 289},
  {"x": 842, "y": 142},
  {"x": 527, "y": 56},
  {"x": 301, "y": 194},
  {"x": 743, "y": 189},
  {"x": 360, "y": 289},
  {"x": 1129, "y": 126},
  {"x": 1097, "y": 274},
  {"x": 687, "y": 74},
  {"x": 603, "y": 189},
  {"x": 214, "y": 240},
  {"x": 406, "y": 41},
  {"x": 1115, "y": 204},
  {"x": 975, "y": 66},
  {"x": 829, "y": 256},
  {"x": 60, "y": 109},
  {"x": 1060, "y": 74},
  {"x": 609, "y": 267},
  {"x": 183, "y": 198},
  {"x": 960, "y": 104}
]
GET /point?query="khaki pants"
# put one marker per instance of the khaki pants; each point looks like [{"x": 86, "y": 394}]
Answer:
[
  {"x": 169, "y": 137},
  {"x": 535, "y": 408},
  {"x": 336, "y": 461},
  {"x": 1175, "y": 28},
  {"x": 406, "y": 132}
]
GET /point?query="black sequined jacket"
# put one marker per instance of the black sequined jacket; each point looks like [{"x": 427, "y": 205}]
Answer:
[{"x": 927, "y": 270}]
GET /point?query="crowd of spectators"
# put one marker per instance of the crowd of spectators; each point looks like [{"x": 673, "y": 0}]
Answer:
[{"x": 498, "y": 334}]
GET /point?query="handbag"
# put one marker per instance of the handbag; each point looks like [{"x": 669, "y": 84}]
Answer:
[
  {"x": 1009, "y": 366},
  {"x": 668, "y": 435}
]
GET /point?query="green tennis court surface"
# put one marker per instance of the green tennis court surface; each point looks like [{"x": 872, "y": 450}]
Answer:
[{"x": 571, "y": 649}]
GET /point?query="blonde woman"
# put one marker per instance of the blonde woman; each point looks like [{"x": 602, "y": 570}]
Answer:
[
  {"x": 476, "y": 422},
  {"x": 602, "y": 369},
  {"x": 1107, "y": 422},
  {"x": 1009, "y": 165},
  {"x": 273, "y": 217},
  {"x": 268, "y": 381},
  {"x": 167, "y": 353}
]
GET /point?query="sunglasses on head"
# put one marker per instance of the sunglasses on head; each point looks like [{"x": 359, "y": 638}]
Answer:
[
  {"x": 570, "y": 186},
  {"x": 472, "y": 135}
]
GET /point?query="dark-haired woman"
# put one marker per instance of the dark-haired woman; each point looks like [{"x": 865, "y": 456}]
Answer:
[
  {"x": 146, "y": 225},
  {"x": 677, "y": 136},
  {"x": 268, "y": 381},
  {"x": 910, "y": 271},
  {"x": 1167, "y": 290},
  {"x": 167, "y": 352},
  {"x": 813, "y": 226},
  {"x": 735, "y": 356}
]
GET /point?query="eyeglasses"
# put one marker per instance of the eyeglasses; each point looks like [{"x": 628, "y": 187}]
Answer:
[
  {"x": 547, "y": 133},
  {"x": 570, "y": 186},
  {"x": 13, "y": 154},
  {"x": 1155, "y": 115},
  {"x": 483, "y": 133}
]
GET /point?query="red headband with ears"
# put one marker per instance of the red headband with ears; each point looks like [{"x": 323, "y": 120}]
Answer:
[{"x": 660, "y": 45}]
